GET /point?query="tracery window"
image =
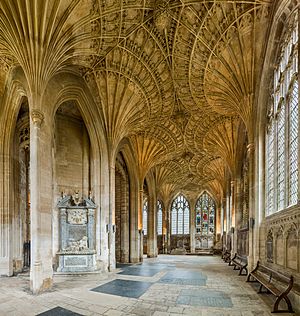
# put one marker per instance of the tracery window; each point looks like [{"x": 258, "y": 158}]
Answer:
[
  {"x": 282, "y": 129},
  {"x": 159, "y": 218},
  {"x": 145, "y": 217},
  {"x": 180, "y": 216},
  {"x": 205, "y": 215}
]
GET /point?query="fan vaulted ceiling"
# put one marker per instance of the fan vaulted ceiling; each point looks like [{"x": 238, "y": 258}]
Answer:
[{"x": 177, "y": 78}]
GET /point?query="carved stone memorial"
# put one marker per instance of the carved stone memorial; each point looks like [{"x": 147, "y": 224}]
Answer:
[{"x": 77, "y": 234}]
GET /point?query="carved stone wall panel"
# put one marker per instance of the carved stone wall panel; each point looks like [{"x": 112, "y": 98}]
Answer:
[
  {"x": 270, "y": 247},
  {"x": 282, "y": 241},
  {"x": 243, "y": 242},
  {"x": 292, "y": 250},
  {"x": 180, "y": 242},
  {"x": 280, "y": 249}
]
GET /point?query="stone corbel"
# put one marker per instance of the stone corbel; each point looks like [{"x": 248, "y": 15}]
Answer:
[{"x": 37, "y": 118}]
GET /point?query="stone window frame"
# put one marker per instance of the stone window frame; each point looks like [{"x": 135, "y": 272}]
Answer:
[
  {"x": 180, "y": 202},
  {"x": 278, "y": 158},
  {"x": 211, "y": 205}
]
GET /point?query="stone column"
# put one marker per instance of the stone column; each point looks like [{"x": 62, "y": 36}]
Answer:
[
  {"x": 253, "y": 227},
  {"x": 111, "y": 222},
  {"x": 40, "y": 182},
  {"x": 235, "y": 213},
  {"x": 222, "y": 215},
  {"x": 63, "y": 224},
  {"x": 168, "y": 214},
  {"x": 91, "y": 229},
  {"x": 102, "y": 214},
  {"x": 6, "y": 262},
  {"x": 164, "y": 230},
  {"x": 228, "y": 217},
  {"x": 152, "y": 224},
  {"x": 134, "y": 221},
  {"x": 140, "y": 222},
  {"x": 218, "y": 223},
  {"x": 192, "y": 226}
]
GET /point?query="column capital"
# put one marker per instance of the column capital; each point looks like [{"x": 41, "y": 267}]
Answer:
[{"x": 37, "y": 117}]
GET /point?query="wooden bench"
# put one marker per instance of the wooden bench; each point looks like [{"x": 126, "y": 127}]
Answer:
[
  {"x": 271, "y": 280},
  {"x": 226, "y": 256},
  {"x": 240, "y": 263}
]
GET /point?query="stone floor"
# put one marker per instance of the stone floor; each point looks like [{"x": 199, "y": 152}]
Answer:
[{"x": 167, "y": 285}]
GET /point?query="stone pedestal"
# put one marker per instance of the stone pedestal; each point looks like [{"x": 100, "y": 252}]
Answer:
[
  {"x": 76, "y": 262},
  {"x": 77, "y": 235}
]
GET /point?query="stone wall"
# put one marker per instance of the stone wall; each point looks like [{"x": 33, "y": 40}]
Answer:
[
  {"x": 280, "y": 245},
  {"x": 71, "y": 155}
]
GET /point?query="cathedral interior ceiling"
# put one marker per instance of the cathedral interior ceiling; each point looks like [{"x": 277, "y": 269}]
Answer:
[{"x": 176, "y": 78}]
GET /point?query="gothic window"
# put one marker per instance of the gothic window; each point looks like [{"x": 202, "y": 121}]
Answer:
[
  {"x": 205, "y": 215},
  {"x": 180, "y": 216},
  {"x": 145, "y": 217},
  {"x": 282, "y": 129},
  {"x": 159, "y": 218}
]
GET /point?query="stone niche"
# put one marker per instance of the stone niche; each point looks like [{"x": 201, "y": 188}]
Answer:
[{"x": 77, "y": 251}]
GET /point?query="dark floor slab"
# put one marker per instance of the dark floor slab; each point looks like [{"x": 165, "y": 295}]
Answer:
[
  {"x": 124, "y": 288},
  {"x": 59, "y": 311},
  {"x": 159, "y": 265},
  {"x": 123, "y": 265},
  {"x": 184, "y": 277},
  {"x": 204, "y": 298},
  {"x": 140, "y": 271}
]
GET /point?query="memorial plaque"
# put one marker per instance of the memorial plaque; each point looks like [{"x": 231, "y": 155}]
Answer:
[
  {"x": 75, "y": 261},
  {"x": 77, "y": 235},
  {"x": 77, "y": 217},
  {"x": 77, "y": 232}
]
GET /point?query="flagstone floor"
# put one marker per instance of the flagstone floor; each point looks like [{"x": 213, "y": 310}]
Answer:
[{"x": 167, "y": 285}]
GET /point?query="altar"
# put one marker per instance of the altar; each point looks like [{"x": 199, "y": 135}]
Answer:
[{"x": 77, "y": 251}]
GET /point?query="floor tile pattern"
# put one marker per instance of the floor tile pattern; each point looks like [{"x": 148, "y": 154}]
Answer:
[
  {"x": 204, "y": 298},
  {"x": 169, "y": 286}
]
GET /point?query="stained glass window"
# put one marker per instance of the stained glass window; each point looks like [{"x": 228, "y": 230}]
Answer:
[
  {"x": 159, "y": 218},
  {"x": 205, "y": 215},
  {"x": 145, "y": 217},
  {"x": 282, "y": 132},
  {"x": 180, "y": 216}
]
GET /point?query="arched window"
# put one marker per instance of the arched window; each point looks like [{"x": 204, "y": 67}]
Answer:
[
  {"x": 145, "y": 217},
  {"x": 159, "y": 218},
  {"x": 205, "y": 215},
  {"x": 282, "y": 129},
  {"x": 180, "y": 216}
]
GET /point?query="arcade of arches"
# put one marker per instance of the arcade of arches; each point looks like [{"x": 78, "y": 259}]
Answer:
[{"x": 133, "y": 127}]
